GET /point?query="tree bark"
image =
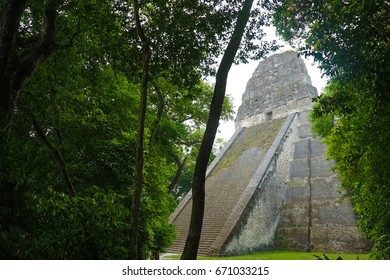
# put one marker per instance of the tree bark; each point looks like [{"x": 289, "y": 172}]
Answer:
[
  {"x": 10, "y": 18},
  {"x": 179, "y": 171},
  {"x": 17, "y": 64},
  {"x": 198, "y": 185},
  {"x": 136, "y": 201}
]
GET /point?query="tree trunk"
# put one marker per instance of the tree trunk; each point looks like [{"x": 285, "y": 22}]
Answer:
[
  {"x": 180, "y": 167},
  {"x": 198, "y": 185},
  {"x": 136, "y": 202},
  {"x": 16, "y": 69},
  {"x": 10, "y": 18}
]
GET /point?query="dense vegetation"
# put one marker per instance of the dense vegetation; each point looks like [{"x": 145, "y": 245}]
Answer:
[
  {"x": 103, "y": 107},
  {"x": 350, "y": 40}
]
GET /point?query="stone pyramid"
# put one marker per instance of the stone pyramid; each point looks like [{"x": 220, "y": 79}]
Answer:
[{"x": 271, "y": 187}]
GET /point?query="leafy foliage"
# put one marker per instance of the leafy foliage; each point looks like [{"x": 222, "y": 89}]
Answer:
[
  {"x": 58, "y": 226},
  {"x": 348, "y": 38},
  {"x": 357, "y": 142},
  {"x": 72, "y": 121}
]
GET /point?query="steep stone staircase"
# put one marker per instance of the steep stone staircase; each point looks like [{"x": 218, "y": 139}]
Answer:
[{"x": 226, "y": 183}]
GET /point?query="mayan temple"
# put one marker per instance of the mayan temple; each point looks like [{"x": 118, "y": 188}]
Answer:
[{"x": 271, "y": 187}]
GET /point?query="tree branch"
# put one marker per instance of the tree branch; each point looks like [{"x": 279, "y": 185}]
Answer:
[
  {"x": 16, "y": 69},
  {"x": 160, "y": 111},
  {"x": 53, "y": 150},
  {"x": 9, "y": 24},
  {"x": 32, "y": 57},
  {"x": 180, "y": 167},
  {"x": 71, "y": 39}
]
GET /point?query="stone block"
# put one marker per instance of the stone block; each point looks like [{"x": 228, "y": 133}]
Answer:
[
  {"x": 302, "y": 90},
  {"x": 325, "y": 188},
  {"x": 301, "y": 149},
  {"x": 292, "y": 238},
  {"x": 303, "y": 117},
  {"x": 298, "y": 169},
  {"x": 295, "y": 214},
  {"x": 332, "y": 213},
  {"x": 317, "y": 148},
  {"x": 338, "y": 239},
  {"x": 297, "y": 193},
  {"x": 304, "y": 131},
  {"x": 321, "y": 167}
]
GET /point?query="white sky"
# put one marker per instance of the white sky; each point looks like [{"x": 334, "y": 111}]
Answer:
[{"x": 239, "y": 75}]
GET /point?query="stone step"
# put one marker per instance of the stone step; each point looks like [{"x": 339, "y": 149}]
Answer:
[{"x": 224, "y": 187}]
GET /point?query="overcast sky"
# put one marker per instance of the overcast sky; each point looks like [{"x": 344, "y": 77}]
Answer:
[{"x": 239, "y": 75}]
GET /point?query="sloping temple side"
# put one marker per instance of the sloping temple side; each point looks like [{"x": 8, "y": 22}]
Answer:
[
  {"x": 271, "y": 186},
  {"x": 231, "y": 183}
]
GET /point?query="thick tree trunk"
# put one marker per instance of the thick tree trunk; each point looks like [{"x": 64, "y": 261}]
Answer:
[
  {"x": 10, "y": 19},
  {"x": 198, "y": 185},
  {"x": 136, "y": 202},
  {"x": 17, "y": 63}
]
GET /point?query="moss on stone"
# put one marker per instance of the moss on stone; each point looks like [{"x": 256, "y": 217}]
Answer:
[
  {"x": 290, "y": 52},
  {"x": 261, "y": 135}
]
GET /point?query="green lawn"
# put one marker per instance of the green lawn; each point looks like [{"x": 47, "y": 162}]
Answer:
[{"x": 283, "y": 255}]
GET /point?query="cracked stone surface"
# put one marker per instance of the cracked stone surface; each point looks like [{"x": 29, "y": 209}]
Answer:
[{"x": 280, "y": 85}]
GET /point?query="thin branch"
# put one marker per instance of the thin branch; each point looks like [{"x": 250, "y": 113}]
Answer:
[
  {"x": 71, "y": 39},
  {"x": 179, "y": 171},
  {"x": 160, "y": 111},
  {"x": 53, "y": 150}
]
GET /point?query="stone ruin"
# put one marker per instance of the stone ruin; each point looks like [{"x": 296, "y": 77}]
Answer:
[
  {"x": 278, "y": 87},
  {"x": 271, "y": 186}
]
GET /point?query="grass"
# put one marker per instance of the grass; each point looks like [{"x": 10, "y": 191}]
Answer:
[{"x": 283, "y": 255}]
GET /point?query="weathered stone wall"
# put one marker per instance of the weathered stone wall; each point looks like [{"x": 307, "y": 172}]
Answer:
[
  {"x": 257, "y": 227},
  {"x": 229, "y": 186},
  {"x": 313, "y": 216},
  {"x": 297, "y": 203},
  {"x": 298, "y": 206},
  {"x": 279, "y": 86}
]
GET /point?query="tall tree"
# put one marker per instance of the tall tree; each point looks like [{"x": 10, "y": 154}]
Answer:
[
  {"x": 180, "y": 53},
  {"x": 198, "y": 186},
  {"x": 139, "y": 169}
]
